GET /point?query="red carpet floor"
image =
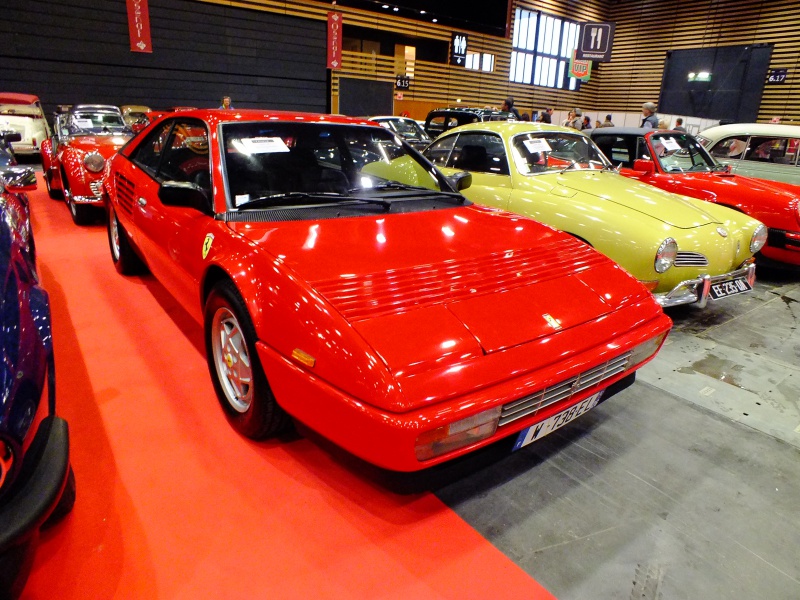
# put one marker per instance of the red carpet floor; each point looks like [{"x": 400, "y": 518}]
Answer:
[{"x": 173, "y": 504}]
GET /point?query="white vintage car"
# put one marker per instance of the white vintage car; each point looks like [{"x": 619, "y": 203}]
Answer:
[{"x": 23, "y": 114}]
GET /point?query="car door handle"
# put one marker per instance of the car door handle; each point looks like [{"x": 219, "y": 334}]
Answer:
[{"x": 142, "y": 202}]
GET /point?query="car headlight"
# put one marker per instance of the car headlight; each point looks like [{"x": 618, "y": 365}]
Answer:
[
  {"x": 759, "y": 239},
  {"x": 94, "y": 162},
  {"x": 666, "y": 254}
]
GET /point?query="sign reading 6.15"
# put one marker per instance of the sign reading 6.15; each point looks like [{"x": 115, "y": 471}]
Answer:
[{"x": 402, "y": 82}]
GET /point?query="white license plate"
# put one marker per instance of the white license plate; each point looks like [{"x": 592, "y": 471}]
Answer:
[
  {"x": 538, "y": 431},
  {"x": 729, "y": 288}
]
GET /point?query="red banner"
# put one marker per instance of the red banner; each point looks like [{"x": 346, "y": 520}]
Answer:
[
  {"x": 139, "y": 26},
  {"x": 334, "y": 40}
]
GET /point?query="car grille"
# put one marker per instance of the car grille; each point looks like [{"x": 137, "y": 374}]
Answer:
[
  {"x": 124, "y": 193},
  {"x": 533, "y": 403},
  {"x": 690, "y": 259},
  {"x": 400, "y": 290},
  {"x": 97, "y": 188}
]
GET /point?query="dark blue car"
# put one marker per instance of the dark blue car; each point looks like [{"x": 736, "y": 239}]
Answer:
[{"x": 37, "y": 486}]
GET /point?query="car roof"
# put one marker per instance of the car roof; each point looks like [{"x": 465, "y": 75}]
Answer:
[
  {"x": 781, "y": 129},
  {"x": 94, "y": 108},
  {"x": 14, "y": 98},
  {"x": 221, "y": 115},
  {"x": 628, "y": 130},
  {"x": 513, "y": 127}
]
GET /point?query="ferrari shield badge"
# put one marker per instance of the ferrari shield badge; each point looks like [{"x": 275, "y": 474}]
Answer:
[
  {"x": 207, "y": 244},
  {"x": 554, "y": 323}
]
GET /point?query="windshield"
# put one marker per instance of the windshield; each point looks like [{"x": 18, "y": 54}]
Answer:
[
  {"x": 679, "y": 153},
  {"x": 408, "y": 128},
  {"x": 543, "y": 152},
  {"x": 96, "y": 122},
  {"x": 276, "y": 159}
]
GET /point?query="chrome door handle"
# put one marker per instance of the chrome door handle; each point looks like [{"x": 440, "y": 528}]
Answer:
[{"x": 142, "y": 202}]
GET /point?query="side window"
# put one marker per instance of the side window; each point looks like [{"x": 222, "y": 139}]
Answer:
[
  {"x": 770, "y": 149},
  {"x": 732, "y": 147},
  {"x": 436, "y": 125},
  {"x": 185, "y": 156},
  {"x": 480, "y": 152},
  {"x": 616, "y": 148},
  {"x": 439, "y": 151},
  {"x": 148, "y": 154}
]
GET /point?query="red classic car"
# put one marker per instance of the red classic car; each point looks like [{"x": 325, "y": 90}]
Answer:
[
  {"x": 345, "y": 283},
  {"x": 676, "y": 162},
  {"x": 74, "y": 158}
]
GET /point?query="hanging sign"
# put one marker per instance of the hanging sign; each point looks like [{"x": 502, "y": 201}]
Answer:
[
  {"x": 139, "y": 26},
  {"x": 402, "y": 82},
  {"x": 458, "y": 49},
  {"x": 594, "y": 41},
  {"x": 579, "y": 69},
  {"x": 334, "y": 40}
]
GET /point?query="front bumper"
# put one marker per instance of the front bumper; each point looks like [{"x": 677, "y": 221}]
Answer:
[
  {"x": 697, "y": 290},
  {"x": 38, "y": 490},
  {"x": 388, "y": 439}
]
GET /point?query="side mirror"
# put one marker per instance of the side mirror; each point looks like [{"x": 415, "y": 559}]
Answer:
[
  {"x": 12, "y": 137},
  {"x": 460, "y": 181},
  {"x": 645, "y": 166},
  {"x": 18, "y": 179},
  {"x": 183, "y": 193}
]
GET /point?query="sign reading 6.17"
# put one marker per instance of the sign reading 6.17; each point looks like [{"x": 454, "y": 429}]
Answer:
[{"x": 777, "y": 75}]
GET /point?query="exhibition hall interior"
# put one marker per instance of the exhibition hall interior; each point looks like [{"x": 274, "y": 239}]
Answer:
[{"x": 404, "y": 299}]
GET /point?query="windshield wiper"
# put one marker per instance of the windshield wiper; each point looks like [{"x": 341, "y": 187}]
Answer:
[
  {"x": 279, "y": 199},
  {"x": 406, "y": 190},
  {"x": 572, "y": 164}
]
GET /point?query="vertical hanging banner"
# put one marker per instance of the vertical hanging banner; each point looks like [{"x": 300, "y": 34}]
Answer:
[
  {"x": 139, "y": 26},
  {"x": 334, "y": 40},
  {"x": 579, "y": 69}
]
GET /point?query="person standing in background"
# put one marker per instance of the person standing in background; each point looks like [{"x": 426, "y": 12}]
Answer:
[
  {"x": 226, "y": 103},
  {"x": 679, "y": 125},
  {"x": 649, "y": 117},
  {"x": 547, "y": 115},
  {"x": 607, "y": 122},
  {"x": 508, "y": 106},
  {"x": 587, "y": 123}
]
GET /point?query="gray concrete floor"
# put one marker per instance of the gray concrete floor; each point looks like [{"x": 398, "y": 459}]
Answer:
[{"x": 685, "y": 485}]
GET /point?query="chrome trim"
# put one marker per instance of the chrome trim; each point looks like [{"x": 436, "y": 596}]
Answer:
[
  {"x": 85, "y": 199},
  {"x": 697, "y": 290},
  {"x": 690, "y": 259},
  {"x": 96, "y": 187},
  {"x": 533, "y": 403}
]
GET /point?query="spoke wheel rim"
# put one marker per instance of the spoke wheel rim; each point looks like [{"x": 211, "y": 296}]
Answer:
[{"x": 232, "y": 360}]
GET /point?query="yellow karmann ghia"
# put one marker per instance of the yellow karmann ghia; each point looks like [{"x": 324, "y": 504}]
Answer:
[{"x": 684, "y": 250}]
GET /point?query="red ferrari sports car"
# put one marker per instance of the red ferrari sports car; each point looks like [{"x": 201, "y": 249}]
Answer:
[
  {"x": 677, "y": 162},
  {"x": 342, "y": 281},
  {"x": 73, "y": 159}
]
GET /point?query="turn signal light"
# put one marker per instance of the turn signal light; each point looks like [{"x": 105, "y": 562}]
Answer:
[
  {"x": 650, "y": 285},
  {"x": 457, "y": 434},
  {"x": 644, "y": 351}
]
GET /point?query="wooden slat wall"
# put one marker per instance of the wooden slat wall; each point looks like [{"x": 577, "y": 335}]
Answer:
[
  {"x": 441, "y": 84},
  {"x": 78, "y": 51},
  {"x": 646, "y": 29}
]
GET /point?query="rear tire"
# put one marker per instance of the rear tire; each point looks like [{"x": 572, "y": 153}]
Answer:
[
  {"x": 239, "y": 379},
  {"x": 126, "y": 261}
]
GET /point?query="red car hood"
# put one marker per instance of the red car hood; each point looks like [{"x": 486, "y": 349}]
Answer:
[
  {"x": 106, "y": 145},
  {"x": 429, "y": 288}
]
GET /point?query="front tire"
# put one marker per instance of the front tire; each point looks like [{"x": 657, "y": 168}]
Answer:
[
  {"x": 48, "y": 182},
  {"x": 81, "y": 215},
  {"x": 126, "y": 261},
  {"x": 239, "y": 379}
]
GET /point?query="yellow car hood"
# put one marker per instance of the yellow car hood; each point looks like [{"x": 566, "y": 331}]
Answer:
[{"x": 672, "y": 209}]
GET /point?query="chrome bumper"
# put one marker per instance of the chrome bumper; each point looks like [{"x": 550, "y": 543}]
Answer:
[{"x": 697, "y": 290}]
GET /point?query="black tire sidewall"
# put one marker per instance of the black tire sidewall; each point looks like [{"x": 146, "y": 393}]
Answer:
[{"x": 264, "y": 417}]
